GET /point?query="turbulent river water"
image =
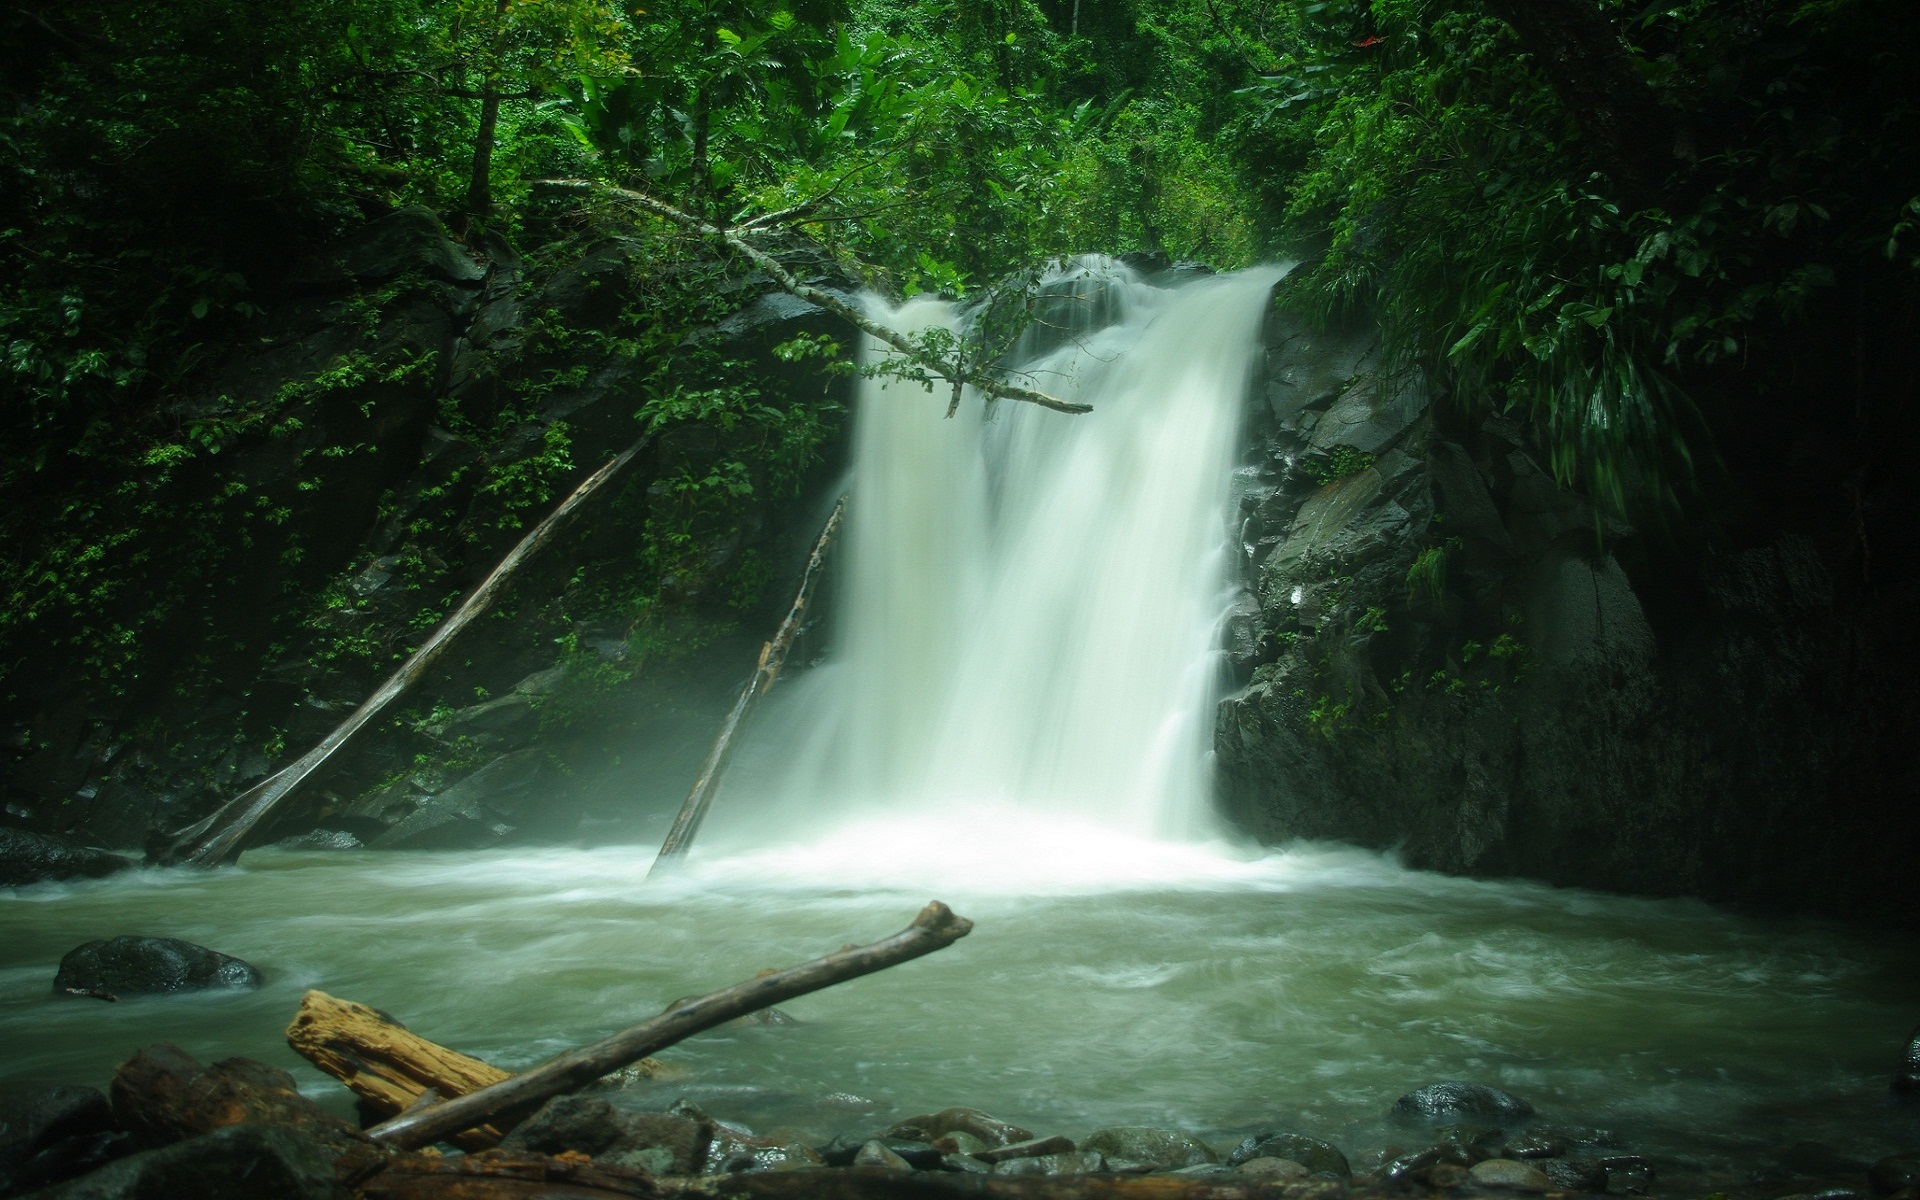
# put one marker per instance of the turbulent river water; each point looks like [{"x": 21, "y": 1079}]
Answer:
[{"x": 1013, "y": 720}]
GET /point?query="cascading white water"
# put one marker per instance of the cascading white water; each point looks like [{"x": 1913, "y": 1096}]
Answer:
[{"x": 1030, "y": 598}]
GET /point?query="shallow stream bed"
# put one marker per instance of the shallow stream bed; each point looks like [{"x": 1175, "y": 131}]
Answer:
[{"x": 1108, "y": 982}]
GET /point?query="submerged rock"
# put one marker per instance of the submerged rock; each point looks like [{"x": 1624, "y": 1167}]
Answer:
[
  {"x": 34, "y": 857},
  {"x": 1271, "y": 1170},
  {"x": 988, "y": 1129},
  {"x": 1318, "y": 1157},
  {"x": 1576, "y": 1173},
  {"x": 1076, "y": 1162},
  {"x": 142, "y": 965},
  {"x": 1455, "y": 1099},
  {"x": 662, "y": 1143},
  {"x": 1163, "y": 1149}
]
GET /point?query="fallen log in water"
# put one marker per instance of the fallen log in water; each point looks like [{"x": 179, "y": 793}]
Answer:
[
  {"x": 509, "y": 1101},
  {"x": 773, "y": 656},
  {"x": 390, "y": 1067}
]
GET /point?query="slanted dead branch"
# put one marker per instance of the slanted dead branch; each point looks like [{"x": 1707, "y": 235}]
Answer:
[
  {"x": 773, "y": 656},
  {"x": 220, "y": 837}
]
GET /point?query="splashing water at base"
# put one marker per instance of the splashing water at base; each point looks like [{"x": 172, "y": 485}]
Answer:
[{"x": 1030, "y": 601}]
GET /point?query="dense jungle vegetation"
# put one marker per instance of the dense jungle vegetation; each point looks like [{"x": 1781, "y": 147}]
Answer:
[{"x": 1655, "y": 232}]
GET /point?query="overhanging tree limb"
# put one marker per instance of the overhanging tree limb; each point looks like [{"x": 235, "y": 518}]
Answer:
[
  {"x": 221, "y": 836},
  {"x": 953, "y": 370}
]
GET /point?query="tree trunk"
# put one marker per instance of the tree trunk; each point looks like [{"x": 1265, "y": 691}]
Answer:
[
  {"x": 512, "y": 1100},
  {"x": 221, "y": 836},
  {"x": 773, "y": 656},
  {"x": 479, "y": 201}
]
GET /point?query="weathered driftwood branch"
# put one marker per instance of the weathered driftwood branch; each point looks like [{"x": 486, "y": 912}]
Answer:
[
  {"x": 384, "y": 1063},
  {"x": 391, "y": 1068},
  {"x": 510, "y": 1100},
  {"x": 223, "y": 835},
  {"x": 773, "y": 656},
  {"x": 953, "y": 370}
]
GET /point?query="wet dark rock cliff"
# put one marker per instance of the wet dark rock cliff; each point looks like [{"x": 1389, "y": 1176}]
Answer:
[{"x": 1443, "y": 651}]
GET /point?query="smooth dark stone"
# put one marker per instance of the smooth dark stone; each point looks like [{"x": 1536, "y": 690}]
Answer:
[
  {"x": 1576, "y": 1174},
  {"x": 37, "y": 1120},
  {"x": 35, "y": 857},
  {"x": 1906, "y": 1080},
  {"x": 70, "y": 1157},
  {"x": 125, "y": 966},
  {"x": 1316, "y": 1156},
  {"x": 1895, "y": 1172},
  {"x": 988, "y": 1129},
  {"x": 240, "y": 1162},
  {"x": 1456, "y": 1099},
  {"x": 1628, "y": 1174},
  {"x": 584, "y": 1124}
]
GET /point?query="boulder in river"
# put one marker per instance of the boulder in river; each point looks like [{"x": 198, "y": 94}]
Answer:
[
  {"x": 1318, "y": 1157},
  {"x": 1895, "y": 1173},
  {"x": 1163, "y": 1149},
  {"x": 124, "y": 966},
  {"x": 1456, "y": 1099},
  {"x": 963, "y": 1120},
  {"x": 1906, "y": 1080},
  {"x": 33, "y": 857}
]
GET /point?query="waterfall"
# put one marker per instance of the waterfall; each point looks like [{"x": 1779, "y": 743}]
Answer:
[{"x": 1028, "y": 600}]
